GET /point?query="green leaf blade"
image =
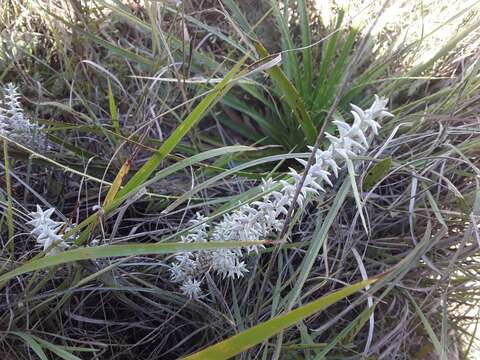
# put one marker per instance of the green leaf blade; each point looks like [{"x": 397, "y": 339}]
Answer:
[{"x": 259, "y": 333}]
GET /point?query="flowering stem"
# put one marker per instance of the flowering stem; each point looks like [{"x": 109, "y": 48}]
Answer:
[
  {"x": 310, "y": 161},
  {"x": 288, "y": 216}
]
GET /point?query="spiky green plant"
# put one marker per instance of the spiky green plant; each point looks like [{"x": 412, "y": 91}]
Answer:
[{"x": 321, "y": 62}]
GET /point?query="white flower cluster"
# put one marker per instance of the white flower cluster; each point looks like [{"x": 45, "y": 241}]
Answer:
[
  {"x": 262, "y": 218},
  {"x": 14, "y": 123},
  {"x": 46, "y": 231},
  {"x": 189, "y": 265}
]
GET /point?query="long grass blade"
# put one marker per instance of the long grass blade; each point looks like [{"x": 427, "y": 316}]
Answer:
[
  {"x": 34, "y": 345},
  {"x": 259, "y": 333},
  {"x": 96, "y": 252},
  {"x": 191, "y": 120}
]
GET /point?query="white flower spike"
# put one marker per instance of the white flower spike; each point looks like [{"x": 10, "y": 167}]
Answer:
[
  {"x": 13, "y": 121},
  {"x": 263, "y": 218}
]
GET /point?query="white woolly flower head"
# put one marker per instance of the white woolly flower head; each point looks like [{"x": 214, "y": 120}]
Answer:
[
  {"x": 263, "y": 218},
  {"x": 46, "y": 231}
]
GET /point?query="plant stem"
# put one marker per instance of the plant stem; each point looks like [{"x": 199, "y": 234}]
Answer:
[{"x": 11, "y": 245}]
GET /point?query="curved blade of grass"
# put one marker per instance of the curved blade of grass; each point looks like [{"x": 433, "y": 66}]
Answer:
[
  {"x": 96, "y": 252},
  {"x": 261, "y": 332},
  {"x": 428, "y": 327},
  {"x": 238, "y": 16},
  {"x": 196, "y": 159},
  {"x": 34, "y": 345},
  {"x": 113, "y": 109},
  {"x": 328, "y": 54},
  {"x": 117, "y": 183},
  {"x": 356, "y": 194},
  {"x": 58, "y": 350},
  {"x": 306, "y": 78},
  {"x": 291, "y": 62},
  {"x": 38, "y": 344}
]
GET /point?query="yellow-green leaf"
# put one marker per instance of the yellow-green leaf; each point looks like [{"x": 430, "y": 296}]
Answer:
[
  {"x": 377, "y": 173},
  {"x": 96, "y": 252},
  {"x": 261, "y": 332}
]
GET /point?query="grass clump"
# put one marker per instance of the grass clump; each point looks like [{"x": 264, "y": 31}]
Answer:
[{"x": 151, "y": 113}]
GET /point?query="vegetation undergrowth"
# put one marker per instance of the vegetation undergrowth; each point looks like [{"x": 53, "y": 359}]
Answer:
[{"x": 185, "y": 179}]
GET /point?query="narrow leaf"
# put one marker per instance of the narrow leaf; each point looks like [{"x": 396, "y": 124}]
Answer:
[
  {"x": 292, "y": 97},
  {"x": 88, "y": 253},
  {"x": 113, "y": 109},
  {"x": 192, "y": 119},
  {"x": 34, "y": 345},
  {"x": 377, "y": 173},
  {"x": 261, "y": 332}
]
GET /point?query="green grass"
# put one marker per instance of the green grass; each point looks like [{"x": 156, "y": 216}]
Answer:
[
  {"x": 306, "y": 84},
  {"x": 142, "y": 139}
]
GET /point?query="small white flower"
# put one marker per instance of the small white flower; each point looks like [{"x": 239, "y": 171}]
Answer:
[
  {"x": 268, "y": 184},
  {"x": 176, "y": 273},
  {"x": 46, "y": 231},
  {"x": 41, "y": 220},
  {"x": 227, "y": 264},
  {"x": 199, "y": 233},
  {"x": 191, "y": 288}
]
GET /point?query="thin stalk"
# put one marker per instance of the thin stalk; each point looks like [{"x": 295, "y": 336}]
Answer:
[{"x": 11, "y": 245}]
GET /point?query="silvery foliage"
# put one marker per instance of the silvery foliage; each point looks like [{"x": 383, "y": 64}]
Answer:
[
  {"x": 265, "y": 217},
  {"x": 47, "y": 230},
  {"x": 14, "y": 123}
]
